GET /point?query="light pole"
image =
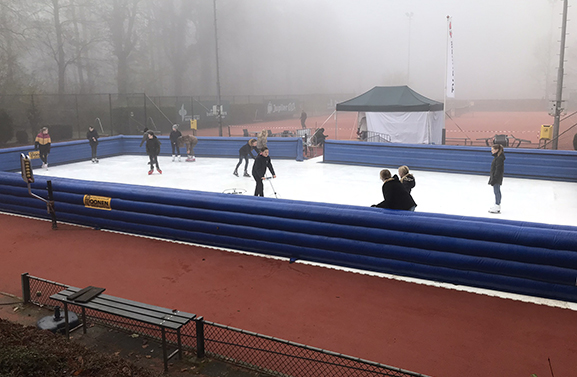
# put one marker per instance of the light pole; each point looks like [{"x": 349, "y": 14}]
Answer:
[
  {"x": 560, "y": 73},
  {"x": 218, "y": 106},
  {"x": 410, "y": 15}
]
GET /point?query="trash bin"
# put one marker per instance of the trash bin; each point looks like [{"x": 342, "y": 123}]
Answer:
[{"x": 546, "y": 132}]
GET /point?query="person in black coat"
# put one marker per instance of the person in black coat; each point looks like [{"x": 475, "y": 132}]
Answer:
[
  {"x": 174, "y": 135},
  {"x": 395, "y": 195},
  {"x": 243, "y": 153},
  {"x": 92, "y": 136},
  {"x": 153, "y": 150},
  {"x": 496, "y": 175},
  {"x": 261, "y": 162}
]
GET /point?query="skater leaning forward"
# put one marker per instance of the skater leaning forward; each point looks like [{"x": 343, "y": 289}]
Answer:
[
  {"x": 92, "y": 136},
  {"x": 153, "y": 150},
  {"x": 496, "y": 175},
  {"x": 174, "y": 135},
  {"x": 189, "y": 142},
  {"x": 243, "y": 153},
  {"x": 42, "y": 143},
  {"x": 261, "y": 162}
]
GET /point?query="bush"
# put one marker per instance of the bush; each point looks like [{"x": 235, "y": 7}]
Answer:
[
  {"x": 22, "y": 137},
  {"x": 59, "y": 132},
  {"x": 6, "y": 127}
]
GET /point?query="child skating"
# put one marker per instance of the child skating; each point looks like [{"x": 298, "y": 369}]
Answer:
[
  {"x": 174, "y": 135},
  {"x": 42, "y": 143},
  {"x": 92, "y": 136},
  {"x": 189, "y": 142},
  {"x": 243, "y": 153},
  {"x": 153, "y": 150},
  {"x": 261, "y": 163}
]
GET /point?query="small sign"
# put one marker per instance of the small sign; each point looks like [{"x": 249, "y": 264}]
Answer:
[
  {"x": 97, "y": 202},
  {"x": 33, "y": 155},
  {"x": 26, "y": 167},
  {"x": 193, "y": 124}
]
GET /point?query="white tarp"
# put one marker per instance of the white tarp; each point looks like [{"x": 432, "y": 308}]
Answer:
[{"x": 424, "y": 127}]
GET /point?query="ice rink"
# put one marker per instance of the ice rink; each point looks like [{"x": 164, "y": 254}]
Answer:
[{"x": 542, "y": 201}]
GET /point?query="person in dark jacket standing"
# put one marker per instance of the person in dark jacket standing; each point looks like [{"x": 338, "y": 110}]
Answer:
[
  {"x": 407, "y": 179},
  {"x": 92, "y": 136},
  {"x": 496, "y": 175},
  {"x": 261, "y": 162},
  {"x": 303, "y": 119},
  {"x": 243, "y": 153},
  {"x": 43, "y": 143},
  {"x": 395, "y": 195},
  {"x": 153, "y": 150},
  {"x": 174, "y": 135}
]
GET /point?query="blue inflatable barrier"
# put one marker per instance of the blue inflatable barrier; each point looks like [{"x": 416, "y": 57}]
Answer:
[{"x": 511, "y": 256}]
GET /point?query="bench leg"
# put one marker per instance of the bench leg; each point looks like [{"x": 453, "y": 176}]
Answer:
[
  {"x": 83, "y": 320},
  {"x": 165, "y": 357},
  {"x": 66, "y": 325},
  {"x": 179, "y": 344}
]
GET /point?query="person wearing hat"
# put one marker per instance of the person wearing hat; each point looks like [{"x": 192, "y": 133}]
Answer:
[{"x": 174, "y": 135}]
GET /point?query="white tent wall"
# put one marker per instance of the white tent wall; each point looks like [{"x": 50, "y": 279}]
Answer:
[{"x": 408, "y": 127}]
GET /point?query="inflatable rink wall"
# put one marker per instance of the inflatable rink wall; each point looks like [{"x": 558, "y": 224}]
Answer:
[{"x": 518, "y": 257}]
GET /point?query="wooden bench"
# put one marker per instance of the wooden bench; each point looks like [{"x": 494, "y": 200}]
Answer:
[{"x": 164, "y": 319}]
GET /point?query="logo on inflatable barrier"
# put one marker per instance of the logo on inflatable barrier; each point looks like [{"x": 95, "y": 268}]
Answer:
[{"x": 98, "y": 202}]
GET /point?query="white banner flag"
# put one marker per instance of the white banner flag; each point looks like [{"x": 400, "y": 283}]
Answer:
[{"x": 450, "y": 67}]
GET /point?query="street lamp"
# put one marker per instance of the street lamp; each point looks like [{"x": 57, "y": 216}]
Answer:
[{"x": 218, "y": 105}]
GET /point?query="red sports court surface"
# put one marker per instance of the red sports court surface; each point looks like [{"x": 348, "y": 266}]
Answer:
[
  {"x": 472, "y": 125},
  {"x": 430, "y": 330}
]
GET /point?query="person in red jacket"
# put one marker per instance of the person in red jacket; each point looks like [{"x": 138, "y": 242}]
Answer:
[{"x": 42, "y": 143}]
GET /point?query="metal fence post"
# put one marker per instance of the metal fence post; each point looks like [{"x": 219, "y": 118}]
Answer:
[
  {"x": 25, "y": 287},
  {"x": 199, "y": 337}
]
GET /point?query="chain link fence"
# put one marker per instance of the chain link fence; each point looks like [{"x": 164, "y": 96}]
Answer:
[
  {"x": 68, "y": 116},
  {"x": 265, "y": 354}
]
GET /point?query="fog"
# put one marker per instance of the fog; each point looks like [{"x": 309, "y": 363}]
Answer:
[{"x": 503, "y": 49}]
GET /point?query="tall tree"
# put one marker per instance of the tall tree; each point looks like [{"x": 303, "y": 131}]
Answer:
[{"x": 123, "y": 18}]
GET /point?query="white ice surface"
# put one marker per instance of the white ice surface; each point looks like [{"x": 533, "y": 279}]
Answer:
[
  {"x": 457, "y": 194},
  {"x": 541, "y": 201}
]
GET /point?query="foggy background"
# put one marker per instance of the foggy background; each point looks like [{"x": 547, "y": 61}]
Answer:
[{"x": 503, "y": 49}]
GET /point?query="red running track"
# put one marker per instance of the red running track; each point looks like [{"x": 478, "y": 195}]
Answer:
[{"x": 430, "y": 330}]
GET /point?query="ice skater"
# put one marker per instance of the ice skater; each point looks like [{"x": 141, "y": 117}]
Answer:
[
  {"x": 261, "y": 163},
  {"x": 496, "y": 175},
  {"x": 395, "y": 195},
  {"x": 243, "y": 153},
  {"x": 406, "y": 178},
  {"x": 153, "y": 150},
  {"x": 174, "y": 135},
  {"x": 42, "y": 143},
  {"x": 261, "y": 141},
  {"x": 189, "y": 142},
  {"x": 92, "y": 136}
]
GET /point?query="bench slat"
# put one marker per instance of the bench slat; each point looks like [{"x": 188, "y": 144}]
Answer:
[
  {"x": 154, "y": 317},
  {"x": 136, "y": 304}
]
